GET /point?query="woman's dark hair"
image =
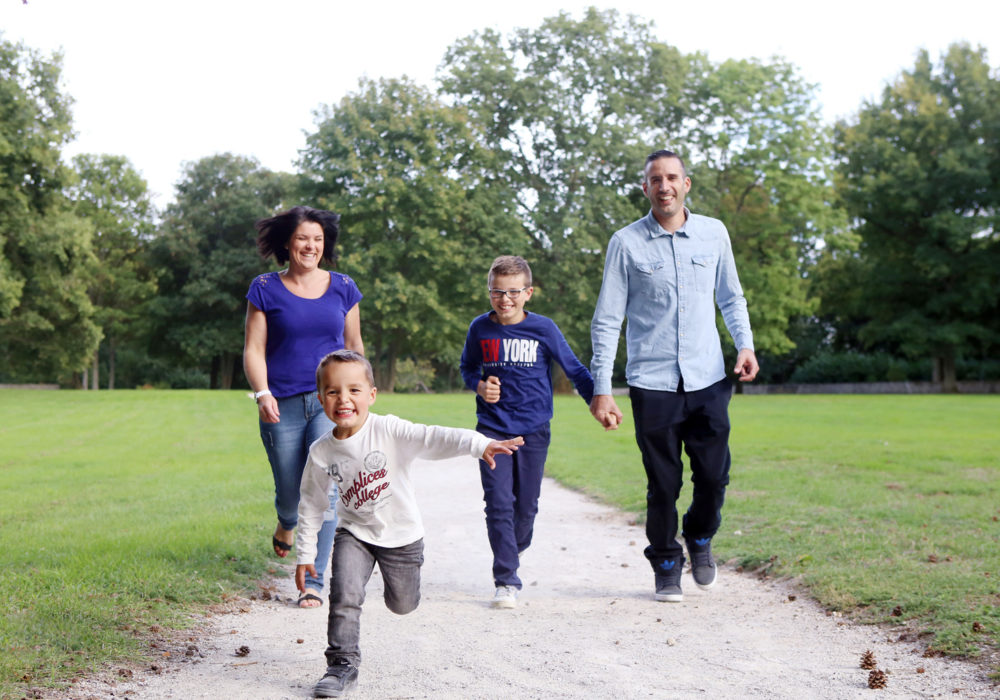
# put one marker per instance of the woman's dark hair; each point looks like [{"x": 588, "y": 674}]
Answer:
[{"x": 274, "y": 232}]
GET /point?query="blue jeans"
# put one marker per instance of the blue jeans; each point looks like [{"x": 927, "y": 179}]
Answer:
[
  {"x": 511, "y": 494},
  {"x": 353, "y": 563},
  {"x": 287, "y": 444}
]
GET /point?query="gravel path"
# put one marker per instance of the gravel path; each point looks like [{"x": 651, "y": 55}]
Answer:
[{"x": 586, "y": 627}]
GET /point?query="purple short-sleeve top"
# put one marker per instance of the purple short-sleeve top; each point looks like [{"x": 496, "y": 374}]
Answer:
[{"x": 300, "y": 332}]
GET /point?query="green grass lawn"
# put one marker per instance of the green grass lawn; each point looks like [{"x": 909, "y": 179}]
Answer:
[
  {"x": 128, "y": 509},
  {"x": 884, "y": 506}
]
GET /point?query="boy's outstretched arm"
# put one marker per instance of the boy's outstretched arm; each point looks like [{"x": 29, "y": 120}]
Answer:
[
  {"x": 505, "y": 446},
  {"x": 300, "y": 575}
]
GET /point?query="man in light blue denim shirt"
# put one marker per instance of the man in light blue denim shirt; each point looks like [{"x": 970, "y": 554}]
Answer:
[{"x": 665, "y": 273}]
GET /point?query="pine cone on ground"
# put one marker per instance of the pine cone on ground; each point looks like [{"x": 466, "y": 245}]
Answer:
[
  {"x": 877, "y": 679},
  {"x": 868, "y": 660}
]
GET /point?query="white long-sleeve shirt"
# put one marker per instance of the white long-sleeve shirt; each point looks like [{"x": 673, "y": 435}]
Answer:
[{"x": 372, "y": 467}]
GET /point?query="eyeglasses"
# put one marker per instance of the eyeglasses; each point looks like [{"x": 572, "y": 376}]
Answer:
[{"x": 510, "y": 293}]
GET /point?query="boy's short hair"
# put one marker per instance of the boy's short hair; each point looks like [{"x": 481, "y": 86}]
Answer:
[
  {"x": 344, "y": 356},
  {"x": 509, "y": 265}
]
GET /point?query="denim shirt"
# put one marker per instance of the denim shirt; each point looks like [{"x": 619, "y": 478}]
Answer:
[{"x": 667, "y": 286}]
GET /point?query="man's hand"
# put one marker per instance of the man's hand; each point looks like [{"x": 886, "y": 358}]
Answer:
[
  {"x": 300, "y": 575},
  {"x": 501, "y": 446},
  {"x": 489, "y": 389},
  {"x": 746, "y": 365},
  {"x": 606, "y": 411}
]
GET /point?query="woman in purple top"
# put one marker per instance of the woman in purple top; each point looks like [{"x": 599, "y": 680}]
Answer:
[{"x": 294, "y": 318}]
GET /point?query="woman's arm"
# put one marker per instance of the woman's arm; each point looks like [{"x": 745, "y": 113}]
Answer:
[
  {"x": 352, "y": 330},
  {"x": 255, "y": 363}
]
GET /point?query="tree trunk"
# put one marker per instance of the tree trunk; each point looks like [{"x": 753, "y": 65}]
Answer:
[
  {"x": 385, "y": 368},
  {"x": 96, "y": 384},
  {"x": 378, "y": 368},
  {"x": 236, "y": 372},
  {"x": 226, "y": 370},
  {"x": 390, "y": 366},
  {"x": 111, "y": 363},
  {"x": 83, "y": 379},
  {"x": 213, "y": 376},
  {"x": 944, "y": 373}
]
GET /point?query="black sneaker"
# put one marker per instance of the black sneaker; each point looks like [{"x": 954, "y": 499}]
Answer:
[
  {"x": 703, "y": 566},
  {"x": 340, "y": 679},
  {"x": 668, "y": 580}
]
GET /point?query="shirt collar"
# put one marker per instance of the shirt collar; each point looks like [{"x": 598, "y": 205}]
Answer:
[{"x": 655, "y": 230}]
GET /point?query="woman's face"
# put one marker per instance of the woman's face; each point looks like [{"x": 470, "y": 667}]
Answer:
[{"x": 305, "y": 247}]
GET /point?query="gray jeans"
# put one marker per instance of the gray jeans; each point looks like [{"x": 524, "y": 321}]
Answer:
[{"x": 353, "y": 563}]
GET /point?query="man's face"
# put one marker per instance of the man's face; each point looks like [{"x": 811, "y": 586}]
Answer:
[{"x": 665, "y": 186}]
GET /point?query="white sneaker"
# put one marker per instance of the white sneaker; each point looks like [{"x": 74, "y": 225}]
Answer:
[{"x": 505, "y": 597}]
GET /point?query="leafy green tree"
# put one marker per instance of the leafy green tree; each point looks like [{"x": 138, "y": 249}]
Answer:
[
  {"x": 205, "y": 254},
  {"x": 759, "y": 154},
  {"x": 423, "y": 216},
  {"x": 568, "y": 110},
  {"x": 920, "y": 174},
  {"x": 114, "y": 198},
  {"x": 573, "y": 108},
  {"x": 46, "y": 318}
]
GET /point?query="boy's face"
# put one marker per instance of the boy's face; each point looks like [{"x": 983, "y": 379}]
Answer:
[
  {"x": 346, "y": 396},
  {"x": 509, "y": 310}
]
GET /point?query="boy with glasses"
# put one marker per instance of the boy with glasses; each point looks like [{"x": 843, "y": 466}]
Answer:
[{"x": 507, "y": 361}]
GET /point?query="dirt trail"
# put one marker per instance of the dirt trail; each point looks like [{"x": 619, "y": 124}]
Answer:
[{"x": 585, "y": 627}]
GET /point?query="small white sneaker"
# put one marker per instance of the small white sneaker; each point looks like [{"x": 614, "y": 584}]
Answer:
[{"x": 505, "y": 597}]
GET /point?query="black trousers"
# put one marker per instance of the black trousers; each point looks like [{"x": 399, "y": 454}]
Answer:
[{"x": 664, "y": 422}]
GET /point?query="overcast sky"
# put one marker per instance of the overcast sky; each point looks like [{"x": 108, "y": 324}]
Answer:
[{"x": 164, "y": 83}]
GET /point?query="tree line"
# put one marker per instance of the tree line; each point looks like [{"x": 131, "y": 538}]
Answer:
[{"x": 867, "y": 250}]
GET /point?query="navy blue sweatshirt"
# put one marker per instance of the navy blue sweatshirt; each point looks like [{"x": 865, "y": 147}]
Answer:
[{"x": 521, "y": 356}]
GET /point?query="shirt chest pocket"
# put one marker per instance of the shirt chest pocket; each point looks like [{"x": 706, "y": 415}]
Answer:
[
  {"x": 703, "y": 269},
  {"x": 654, "y": 279}
]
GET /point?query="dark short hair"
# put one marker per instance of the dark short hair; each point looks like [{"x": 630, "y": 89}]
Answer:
[
  {"x": 664, "y": 153},
  {"x": 273, "y": 233},
  {"x": 344, "y": 356},
  {"x": 509, "y": 265}
]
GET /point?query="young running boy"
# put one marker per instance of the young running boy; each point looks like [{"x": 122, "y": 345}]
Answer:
[
  {"x": 370, "y": 457},
  {"x": 507, "y": 361}
]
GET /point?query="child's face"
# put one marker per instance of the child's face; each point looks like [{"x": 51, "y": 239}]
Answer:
[
  {"x": 508, "y": 310},
  {"x": 346, "y": 396}
]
